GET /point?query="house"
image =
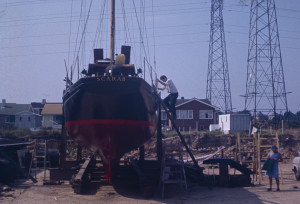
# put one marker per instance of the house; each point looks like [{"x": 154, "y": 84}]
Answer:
[
  {"x": 8, "y": 113},
  {"x": 37, "y": 107},
  {"x": 28, "y": 120},
  {"x": 52, "y": 115},
  {"x": 229, "y": 123},
  {"x": 193, "y": 114}
]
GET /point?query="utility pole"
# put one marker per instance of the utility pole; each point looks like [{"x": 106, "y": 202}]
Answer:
[
  {"x": 265, "y": 86},
  {"x": 218, "y": 84}
]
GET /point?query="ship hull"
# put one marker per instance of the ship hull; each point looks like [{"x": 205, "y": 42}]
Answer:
[{"x": 110, "y": 115}]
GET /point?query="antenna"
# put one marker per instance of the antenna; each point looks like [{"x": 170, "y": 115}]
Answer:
[
  {"x": 218, "y": 85},
  {"x": 265, "y": 86}
]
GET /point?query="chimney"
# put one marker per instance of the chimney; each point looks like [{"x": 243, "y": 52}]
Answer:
[
  {"x": 126, "y": 51},
  {"x": 3, "y": 102},
  {"x": 98, "y": 55},
  {"x": 43, "y": 101},
  {"x": 182, "y": 98}
]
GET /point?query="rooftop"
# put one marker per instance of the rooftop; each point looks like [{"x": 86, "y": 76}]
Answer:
[
  {"x": 52, "y": 109},
  {"x": 13, "y": 108},
  {"x": 183, "y": 100}
]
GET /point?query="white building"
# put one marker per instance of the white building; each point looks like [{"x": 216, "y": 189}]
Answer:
[
  {"x": 52, "y": 115},
  {"x": 234, "y": 123},
  {"x": 28, "y": 120}
]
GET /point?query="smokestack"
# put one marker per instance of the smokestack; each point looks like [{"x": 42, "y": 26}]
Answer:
[
  {"x": 98, "y": 55},
  {"x": 43, "y": 101},
  {"x": 3, "y": 102},
  {"x": 126, "y": 51}
]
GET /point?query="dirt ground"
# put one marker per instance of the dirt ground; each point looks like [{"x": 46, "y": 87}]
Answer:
[{"x": 24, "y": 191}]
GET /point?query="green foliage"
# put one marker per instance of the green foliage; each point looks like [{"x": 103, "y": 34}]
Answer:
[
  {"x": 19, "y": 133},
  {"x": 15, "y": 133}
]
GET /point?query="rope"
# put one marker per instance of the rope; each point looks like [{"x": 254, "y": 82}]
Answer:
[
  {"x": 81, "y": 44},
  {"x": 99, "y": 29},
  {"x": 70, "y": 32}
]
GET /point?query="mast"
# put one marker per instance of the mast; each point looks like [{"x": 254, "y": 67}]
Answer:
[{"x": 112, "y": 31}]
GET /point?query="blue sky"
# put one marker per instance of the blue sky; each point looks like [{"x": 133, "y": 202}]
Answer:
[{"x": 36, "y": 36}]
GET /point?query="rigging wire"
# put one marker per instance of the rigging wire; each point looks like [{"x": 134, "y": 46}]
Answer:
[
  {"x": 127, "y": 31},
  {"x": 77, "y": 34},
  {"x": 141, "y": 39},
  {"x": 146, "y": 32},
  {"x": 143, "y": 45},
  {"x": 70, "y": 33},
  {"x": 81, "y": 43},
  {"x": 99, "y": 29},
  {"x": 153, "y": 33}
]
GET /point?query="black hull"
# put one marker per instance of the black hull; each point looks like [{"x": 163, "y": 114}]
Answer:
[{"x": 110, "y": 115}]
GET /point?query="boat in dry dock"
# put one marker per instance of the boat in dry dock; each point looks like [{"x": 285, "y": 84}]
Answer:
[{"x": 111, "y": 110}]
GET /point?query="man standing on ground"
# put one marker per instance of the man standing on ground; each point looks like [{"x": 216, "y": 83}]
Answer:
[{"x": 171, "y": 99}]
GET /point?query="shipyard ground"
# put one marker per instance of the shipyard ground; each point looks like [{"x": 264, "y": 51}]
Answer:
[{"x": 27, "y": 192}]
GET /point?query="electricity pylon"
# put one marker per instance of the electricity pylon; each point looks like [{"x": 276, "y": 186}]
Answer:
[
  {"x": 265, "y": 86},
  {"x": 218, "y": 85}
]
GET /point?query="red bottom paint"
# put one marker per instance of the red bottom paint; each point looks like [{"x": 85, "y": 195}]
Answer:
[{"x": 110, "y": 138}]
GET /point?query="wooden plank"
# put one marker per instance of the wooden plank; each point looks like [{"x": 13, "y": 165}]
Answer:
[{"x": 81, "y": 172}]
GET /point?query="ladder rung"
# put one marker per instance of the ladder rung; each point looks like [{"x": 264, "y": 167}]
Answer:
[
  {"x": 42, "y": 161},
  {"x": 173, "y": 164},
  {"x": 174, "y": 172},
  {"x": 36, "y": 169},
  {"x": 39, "y": 156},
  {"x": 266, "y": 145},
  {"x": 174, "y": 181}
]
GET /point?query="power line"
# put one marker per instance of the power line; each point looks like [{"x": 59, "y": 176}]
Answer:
[{"x": 192, "y": 42}]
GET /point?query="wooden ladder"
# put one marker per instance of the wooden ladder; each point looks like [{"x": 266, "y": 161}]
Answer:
[
  {"x": 177, "y": 130},
  {"x": 262, "y": 151},
  {"x": 39, "y": 158},
  {"x": 247, "y": 153},
  {"x": 172, "y": 166}
]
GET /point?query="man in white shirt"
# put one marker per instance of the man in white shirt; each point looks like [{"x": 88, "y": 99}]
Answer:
[{"x": 171, "y": 99}]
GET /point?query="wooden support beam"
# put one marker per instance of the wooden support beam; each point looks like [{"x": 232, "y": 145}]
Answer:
[{"x": 81, "y": 177}]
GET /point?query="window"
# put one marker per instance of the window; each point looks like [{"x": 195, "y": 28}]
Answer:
[
  {"x": 20, "y": 118},
  {"x": 57, "y": 119},
  {"x": 184, "y": 114},
  {"x": 206, "y": 114},
  {"x": 163, "y": 115},
  {"x": 29, "y": 119}
]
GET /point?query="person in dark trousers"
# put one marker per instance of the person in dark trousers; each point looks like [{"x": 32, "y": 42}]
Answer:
[
  {"x": 171, "y": 99},
  {"x": 276, "y": 157}
]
